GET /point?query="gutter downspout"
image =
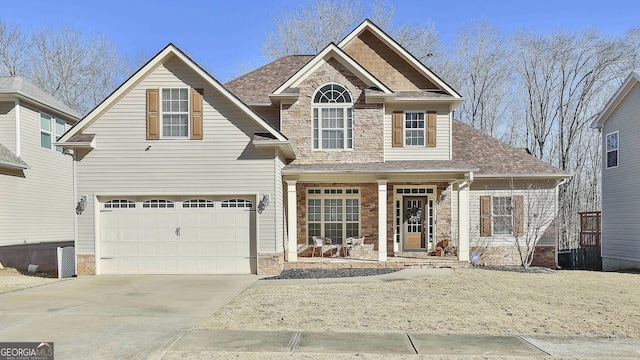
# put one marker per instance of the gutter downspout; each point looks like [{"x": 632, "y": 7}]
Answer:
[{"x": 557, "y": 210}]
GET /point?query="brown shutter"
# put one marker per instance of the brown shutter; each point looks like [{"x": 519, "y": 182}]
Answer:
[
  {"x": 196, "y": 114},
  {"x": 485, "y": 215},
  {"x": 153, "y": 114},
  {"x": 431, "y": 129},
  {"x": 397, "y": 129},
  {"x": 518, "y": 215}
]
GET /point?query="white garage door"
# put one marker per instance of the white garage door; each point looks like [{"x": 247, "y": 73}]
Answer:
[{"x": 159, "y": 236}]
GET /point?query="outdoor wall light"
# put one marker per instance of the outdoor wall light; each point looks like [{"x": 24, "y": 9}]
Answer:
[
  {"x": 81, "y": 204},
  {"x": 263, "y": 203}
]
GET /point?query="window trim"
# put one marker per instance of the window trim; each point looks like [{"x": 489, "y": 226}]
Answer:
[
  {"x": 424, "y": 128},
  {"x": 607, "y": 151},
  {"x": 327, "y": 193},
  {"x": 162, "y": 113},
  {"x": 55, "y": 136},
  {"x": 347, "y": 131},
  {"x": 494, "y": 216}
]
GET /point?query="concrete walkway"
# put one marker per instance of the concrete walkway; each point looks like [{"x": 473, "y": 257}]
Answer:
[{"x": 199, "y": 342}]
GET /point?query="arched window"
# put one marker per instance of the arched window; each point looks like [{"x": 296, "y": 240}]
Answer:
[
  {"x": 332, "y": 118},
  {"x": 236, "y": 203},
  {"x": 158, "y": 204},
  {"x": 197, "y": 203},
  {"x": 119, "y": 204}
]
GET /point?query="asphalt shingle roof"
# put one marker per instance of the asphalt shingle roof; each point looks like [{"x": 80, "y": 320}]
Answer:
[
  {"x": 472, "y": 149},
  {"x": 18, "y": 85},
  {"x": 493, "y": 157},
  {"x": 256, "y": 86},
  {"x": 7, "y": 157}
]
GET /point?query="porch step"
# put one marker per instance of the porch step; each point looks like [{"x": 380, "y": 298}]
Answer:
[{"x": 392, "y": 262}]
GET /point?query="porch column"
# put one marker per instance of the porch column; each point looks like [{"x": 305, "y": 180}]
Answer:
[
  {"x": 292, "y": 221},
  {"x": 463, "y": 223},
  {"x": 382, "y": 220}
]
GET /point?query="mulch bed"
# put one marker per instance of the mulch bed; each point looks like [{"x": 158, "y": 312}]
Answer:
[{"x": 328, "y": 273}]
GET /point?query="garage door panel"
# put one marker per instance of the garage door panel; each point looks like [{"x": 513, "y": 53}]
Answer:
[{"x": 176, "y": 240}]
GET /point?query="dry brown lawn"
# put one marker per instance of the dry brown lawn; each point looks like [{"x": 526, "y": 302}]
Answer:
[
  {"x": 471, "y": 301},
  {"x": 11, "y": 279}
]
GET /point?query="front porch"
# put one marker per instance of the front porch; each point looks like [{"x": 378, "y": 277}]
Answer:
[{"x": 407, "y": 221}]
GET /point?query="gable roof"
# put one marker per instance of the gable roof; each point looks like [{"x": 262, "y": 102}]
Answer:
[
  {"x": 168, "y": 52},
  {"x": 255, "y": 86},
  {"x": 9, "y": 159},
  {"x": 613, "y": 103},
  {"x": 16, "y": 85},
  {"x": 332, "y": 51},
  {"x": 494, "y": 158},
  {"x": 402, "y": 52}
]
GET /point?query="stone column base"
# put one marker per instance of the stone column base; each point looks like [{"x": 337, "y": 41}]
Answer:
[
  {"x": 86, "y": 264},
  {"x": 270, "y": 264}
]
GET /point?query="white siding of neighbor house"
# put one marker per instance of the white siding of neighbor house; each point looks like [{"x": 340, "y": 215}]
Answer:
[
  {"x": 443, "y": 135},
  {"x": 541, "y": 192},
  {"x": 38, "y": 207},
  {"x": 224, "y": 162},
  {"x": 620, "y": 195},
  {"x": 8, "y": 125}
]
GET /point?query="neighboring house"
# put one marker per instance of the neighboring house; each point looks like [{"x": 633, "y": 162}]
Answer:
[
  {"x": 617, "y": 123},
  {"x": 36, "y": 182},
  {"x": 185, "y": 175}
]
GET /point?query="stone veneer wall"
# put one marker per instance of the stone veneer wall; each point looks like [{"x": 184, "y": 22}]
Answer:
[
  {"x": 508, "y": 255},
  {"x": 368, "y": 209},
  {"x": 368, "y": 120},
  {"x": 86, "y": 264},
  {"x": 270, "y": 264}
]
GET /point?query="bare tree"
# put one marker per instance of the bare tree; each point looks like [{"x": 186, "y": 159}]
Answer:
[
  {"x": 79, "y": 71},
  {"x": 482, "y": 74},
  {"x": 14, "y": 50},
  {"x": 309, "y": 29},
  {"x": 527, "y": 211}
]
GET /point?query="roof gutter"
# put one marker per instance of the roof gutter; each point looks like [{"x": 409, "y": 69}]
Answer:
[
  {"x": 14, "y": 165},
  {"x": 21, "y": 95},
  {"x": 468, "y": 180},
  {"x": 285, "y": 146}
]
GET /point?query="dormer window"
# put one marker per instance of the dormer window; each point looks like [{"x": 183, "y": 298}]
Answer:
[{"x": 332, "y": 118}]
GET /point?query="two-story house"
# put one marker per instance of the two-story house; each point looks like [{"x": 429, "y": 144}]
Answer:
[
  {"x": 620, "y": 149},
  {"x": 36, "y": 183},
  {"x": 185, "y": 175}
]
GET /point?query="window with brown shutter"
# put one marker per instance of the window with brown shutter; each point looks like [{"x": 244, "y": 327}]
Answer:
[
  {"x": 196, "y": 114},
  {"x": 153, "y": 114},
  {"x": 431, "y": 129},
  {"x": 485, "y": 215},
  {"x": 398, "y": 120}
]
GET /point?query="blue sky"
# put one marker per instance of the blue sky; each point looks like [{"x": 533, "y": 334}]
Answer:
[{"x": 224, "y": 35}]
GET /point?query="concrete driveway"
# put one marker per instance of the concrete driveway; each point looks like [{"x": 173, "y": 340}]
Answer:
[{"x": 115, "y": 317}]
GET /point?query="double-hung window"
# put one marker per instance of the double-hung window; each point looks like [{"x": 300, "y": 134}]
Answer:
[
  {"x": 175, "y": 113},
  {"x": 333, "y": 213},
  {"x": 51, "y": 130},
  {"x": 414, "y": 128},
  {"x": 612, "y": 149},
  {"x": 332, "y": 118},
  {"x": 502, "y": 215}
]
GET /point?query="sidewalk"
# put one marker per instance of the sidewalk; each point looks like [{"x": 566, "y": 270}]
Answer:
[{"x": 198, "y": 342}]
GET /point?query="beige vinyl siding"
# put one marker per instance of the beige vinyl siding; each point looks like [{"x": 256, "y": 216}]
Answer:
[
  {"x": 620, "y": 196},
  {"x": 38, "y": 207},
  {"x": 224, "y": 162},
  {"x": 443, "y": 135},
  {"x": 501, "y": 188},
  {"x": 8, "y": 125}
]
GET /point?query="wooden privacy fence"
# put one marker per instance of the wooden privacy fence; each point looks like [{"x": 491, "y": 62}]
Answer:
[{"x": 588, "y": 255}]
